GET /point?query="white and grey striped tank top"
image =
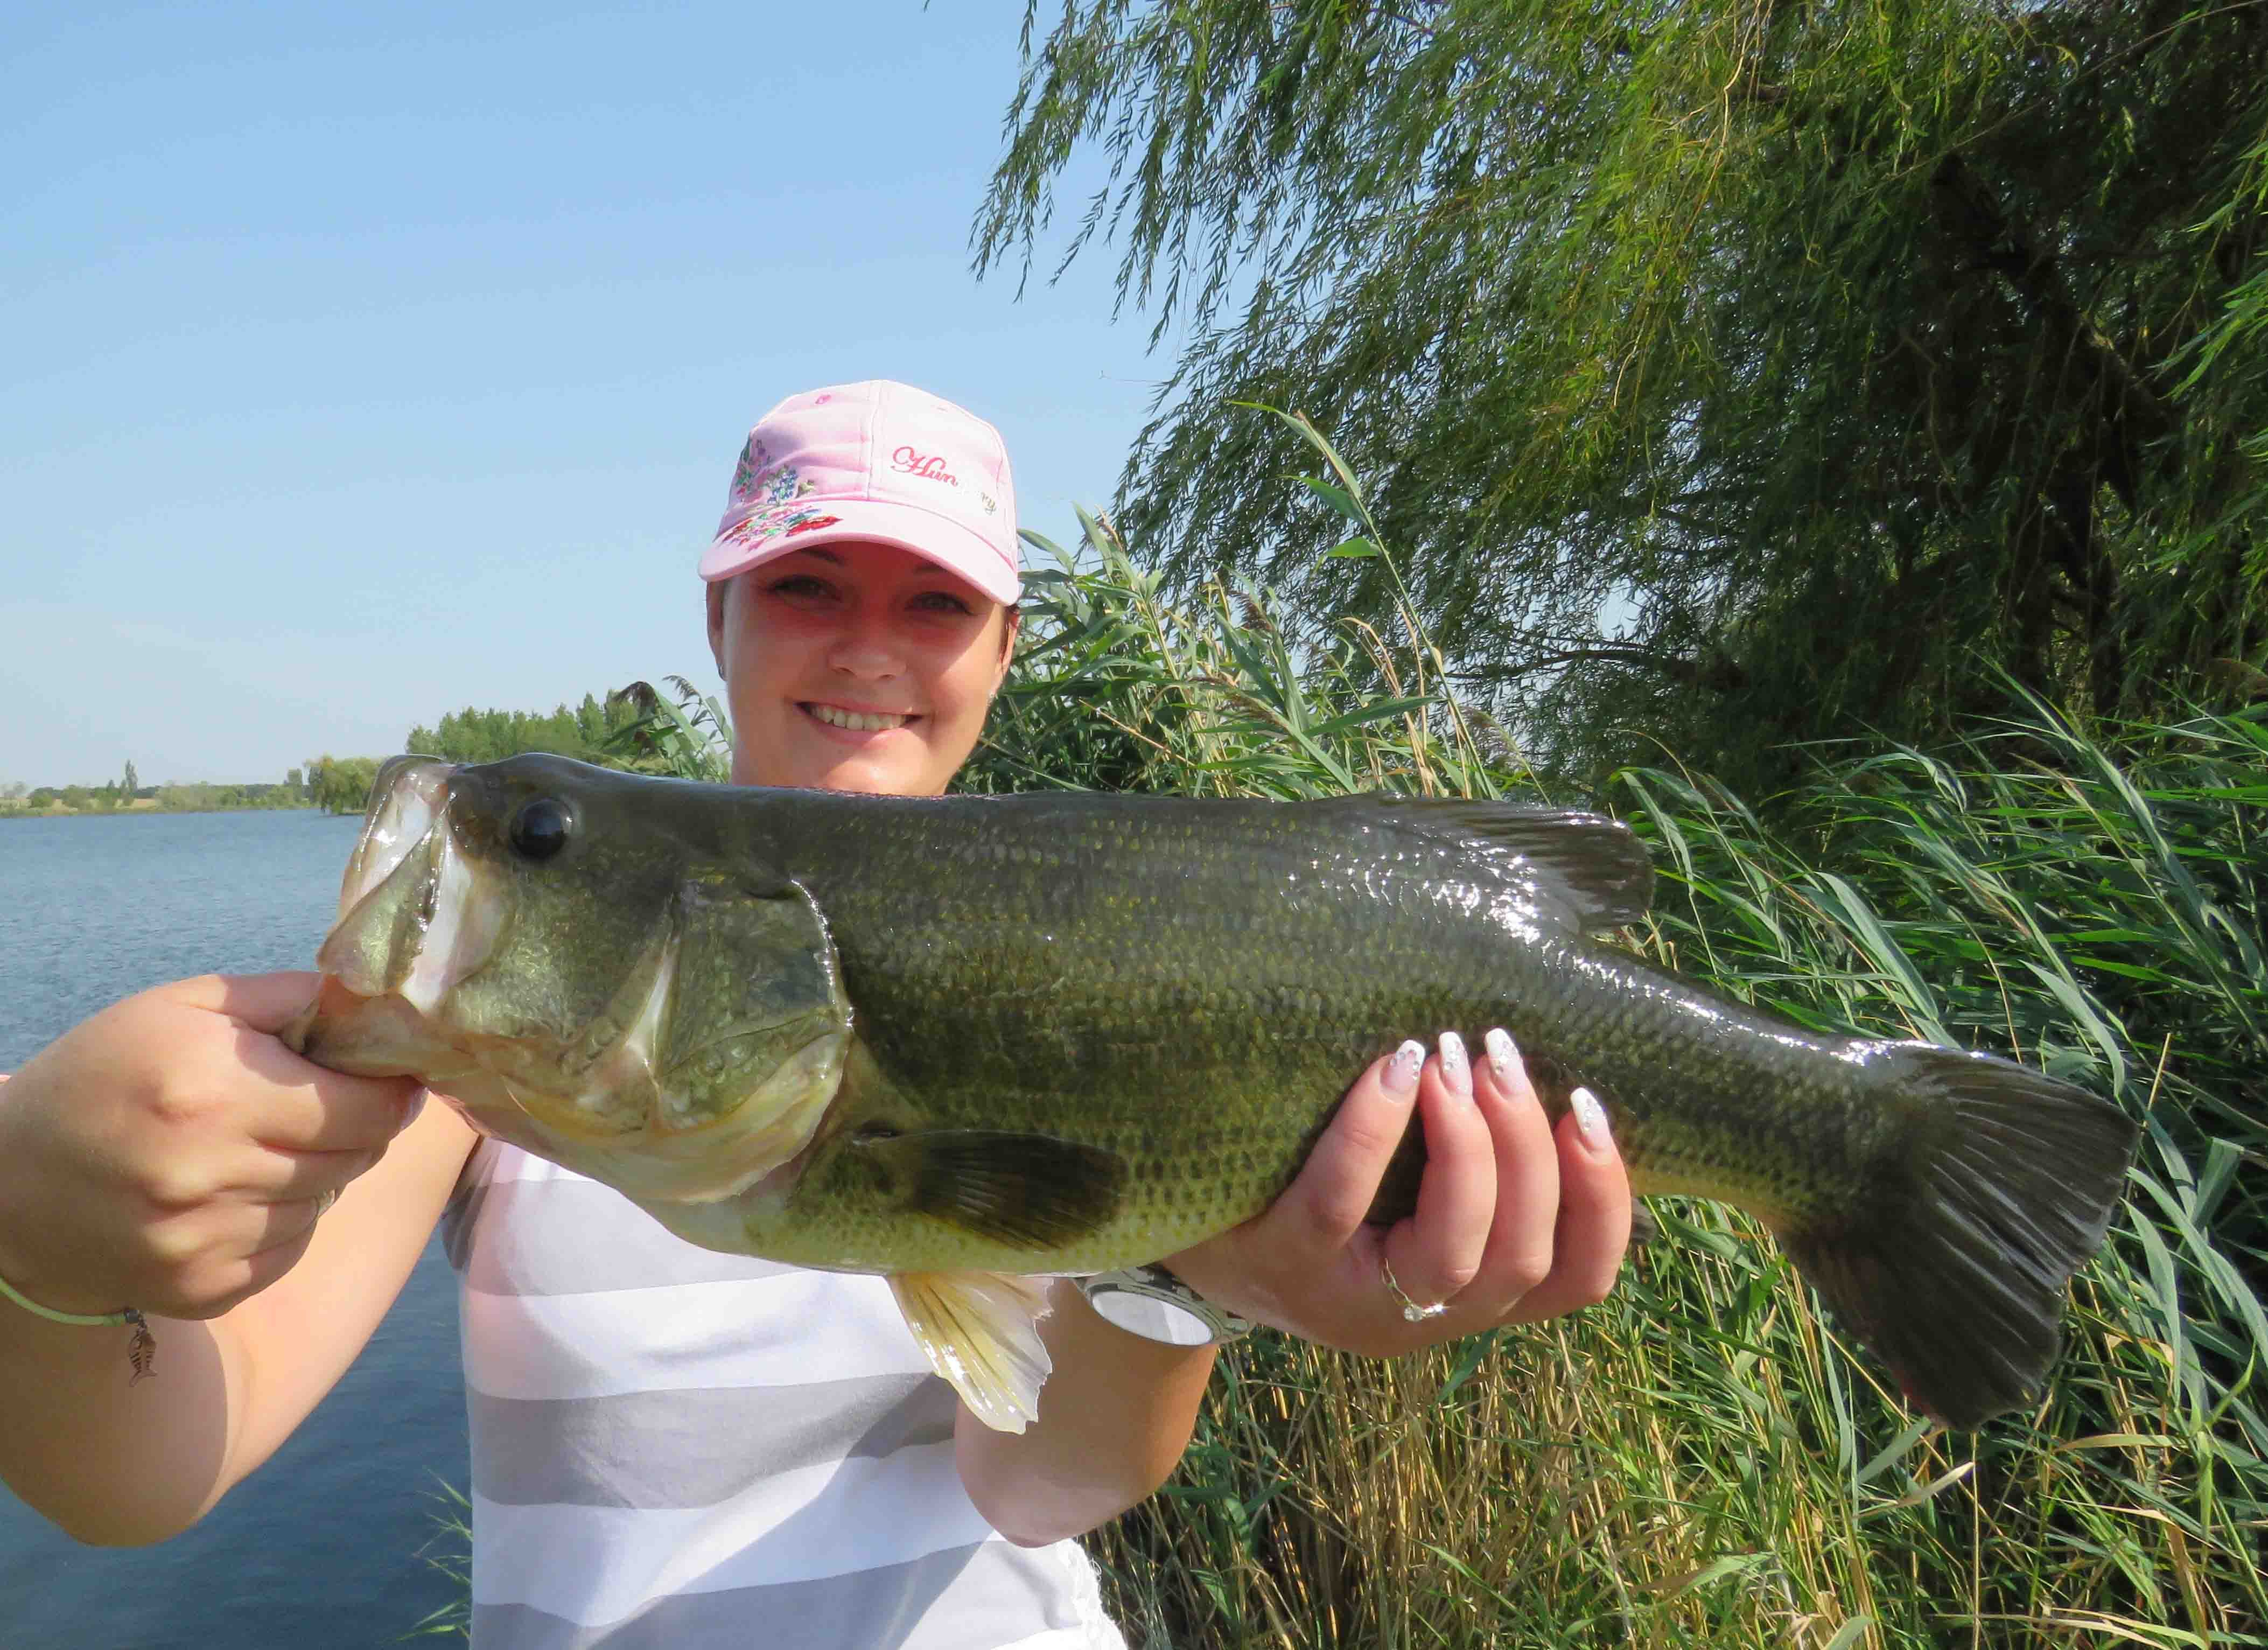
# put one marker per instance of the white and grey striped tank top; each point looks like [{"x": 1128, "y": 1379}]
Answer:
[{"x": 673, "y": 1447}]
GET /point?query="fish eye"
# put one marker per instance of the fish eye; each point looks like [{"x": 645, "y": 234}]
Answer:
[{"x": 541, "y": 829}]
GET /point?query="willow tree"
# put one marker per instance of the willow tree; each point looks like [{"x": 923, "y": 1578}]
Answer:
[{"x": 1739, "y": 371}]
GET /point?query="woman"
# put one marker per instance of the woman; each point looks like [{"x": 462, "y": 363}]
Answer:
[{"x": 672, "y": 1447}]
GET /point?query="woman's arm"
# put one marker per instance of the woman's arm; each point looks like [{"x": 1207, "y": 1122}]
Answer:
[
  {"x": 1115, "y": 1416},
  {"x": 170, "y": 1154}
]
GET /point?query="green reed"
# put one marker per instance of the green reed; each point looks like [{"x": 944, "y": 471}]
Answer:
[
  {"x": 448, "y": 1550},
  {"x": 1702, "y": 1459}
]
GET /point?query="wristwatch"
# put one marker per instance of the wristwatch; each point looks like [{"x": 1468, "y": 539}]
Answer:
[{"x": 1152, "y": 1303}]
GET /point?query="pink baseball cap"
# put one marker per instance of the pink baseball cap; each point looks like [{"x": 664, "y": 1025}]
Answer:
[{"x": 878, "y": 460}]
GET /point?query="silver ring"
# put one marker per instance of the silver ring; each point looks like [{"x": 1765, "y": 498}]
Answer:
[
  {"x": 1411, "y": 1312},
  {"x": 324, "y": 1200}
]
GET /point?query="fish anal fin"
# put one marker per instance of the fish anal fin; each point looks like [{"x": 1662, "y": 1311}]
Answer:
[
  {"x": 981, "y": 1332},
  {"x": 1030, "y": 1191}
]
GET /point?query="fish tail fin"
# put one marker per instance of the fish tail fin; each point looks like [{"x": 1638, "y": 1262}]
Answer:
[{"x": 1954, "y": 1277}]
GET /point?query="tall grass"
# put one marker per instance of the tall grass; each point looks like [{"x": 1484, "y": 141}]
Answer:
[
  {"x": 1702, "y": 1459},
  {"x": 448, "y": 1550}
]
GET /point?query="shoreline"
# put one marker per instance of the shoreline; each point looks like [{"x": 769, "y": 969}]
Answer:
[{"x": 148, "y": 812}]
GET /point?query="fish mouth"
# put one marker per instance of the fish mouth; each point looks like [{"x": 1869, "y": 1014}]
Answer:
[{"x": 415, "y": 916}]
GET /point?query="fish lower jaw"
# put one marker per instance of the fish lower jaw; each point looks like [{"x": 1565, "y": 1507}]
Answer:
[{"x": 379, "y": 1035}]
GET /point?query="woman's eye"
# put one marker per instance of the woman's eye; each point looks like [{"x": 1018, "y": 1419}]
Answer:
[
  {"x": 800, "y": 585},
  {"x": 941, "y": 601}
]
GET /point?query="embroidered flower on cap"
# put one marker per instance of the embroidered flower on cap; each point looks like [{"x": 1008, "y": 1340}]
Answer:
[{"x": 754, "y": 462}]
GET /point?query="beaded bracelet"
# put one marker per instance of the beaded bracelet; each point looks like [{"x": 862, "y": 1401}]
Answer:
[{"x": 141, "y": 1352}]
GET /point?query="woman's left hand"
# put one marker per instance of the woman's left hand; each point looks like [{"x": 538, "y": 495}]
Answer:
[{"x": 1515, "y": 1221}]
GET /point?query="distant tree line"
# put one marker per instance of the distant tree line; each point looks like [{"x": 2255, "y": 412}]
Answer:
[
  {"x": 201, "y": 797},
  {"x": 128, "y": 793},
  {"x": 618, "y": 731}
]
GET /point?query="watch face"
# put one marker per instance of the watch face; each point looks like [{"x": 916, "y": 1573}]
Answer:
[{"x": 1151, "y": 1318}]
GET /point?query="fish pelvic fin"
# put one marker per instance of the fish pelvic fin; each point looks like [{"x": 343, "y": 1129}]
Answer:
[
  {"x": 1957, "y": 1279},
  {"x": 981, "y": 1331}
]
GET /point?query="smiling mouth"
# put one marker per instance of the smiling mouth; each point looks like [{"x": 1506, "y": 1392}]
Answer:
[{"x": 855, "y": 721}]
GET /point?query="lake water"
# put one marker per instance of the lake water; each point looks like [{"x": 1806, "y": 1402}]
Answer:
[{"x": 321, "y": 1546}]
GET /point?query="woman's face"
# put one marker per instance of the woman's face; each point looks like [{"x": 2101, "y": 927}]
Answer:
[{"x": 856, "y": 667}]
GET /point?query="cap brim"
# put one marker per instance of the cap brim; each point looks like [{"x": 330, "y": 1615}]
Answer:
[{"x": 924, "y": 533}]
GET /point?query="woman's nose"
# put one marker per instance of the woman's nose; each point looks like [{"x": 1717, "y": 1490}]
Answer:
[{"x": 864, "y": 648}]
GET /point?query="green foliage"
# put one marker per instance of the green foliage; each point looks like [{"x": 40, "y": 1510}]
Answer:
[
  {"x": 687, "y": 736},
  {"x": 1742, "y": 375},
  {"x": 1701, "y": 1460},
  {"x": 448, "y": 1551},
  {"x": 342, "y": 785},
  {"x": 1117, "y": 687},
  {"x": 471, "y": 735}
]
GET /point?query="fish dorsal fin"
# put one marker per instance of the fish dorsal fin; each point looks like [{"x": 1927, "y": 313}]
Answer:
[
  {"x": 1030, "y": 1190},
  {"x": 981, "y": 1331},
  {"x": 1595, "y": 867}
]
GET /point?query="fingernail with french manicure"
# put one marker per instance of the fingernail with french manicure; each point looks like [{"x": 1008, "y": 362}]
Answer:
[
  {"x": 1402, "y": 1070},
  {"x": 1591, "y": 1120},
  {"x": 1457, "y": 1070},
  {"x": 1501, "y": 1054}
]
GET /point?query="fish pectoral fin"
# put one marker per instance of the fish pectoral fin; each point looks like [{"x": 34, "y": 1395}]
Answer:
[
  {"x": 981, "y": 1331},
  {"x": 1029, "y": 1190}
]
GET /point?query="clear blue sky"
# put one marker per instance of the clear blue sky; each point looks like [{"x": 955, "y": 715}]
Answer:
[{"x": 362, "y": 363}]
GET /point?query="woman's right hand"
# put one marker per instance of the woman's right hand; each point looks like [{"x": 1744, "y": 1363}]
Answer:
[{"x": 172, "y": 1155}]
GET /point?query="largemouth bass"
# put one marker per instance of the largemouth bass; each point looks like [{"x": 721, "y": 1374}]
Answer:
[{"x": 962, "y": 1042}]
